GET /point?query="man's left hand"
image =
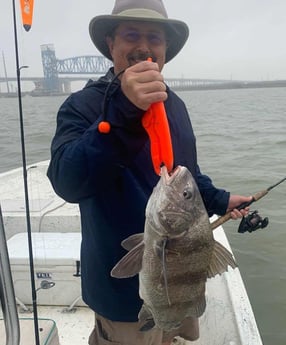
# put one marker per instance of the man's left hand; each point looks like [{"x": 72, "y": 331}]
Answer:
[{"x": 235, "y": 201}]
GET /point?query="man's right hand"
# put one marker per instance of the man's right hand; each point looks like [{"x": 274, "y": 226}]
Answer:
[{"x": 143, "y": 84}]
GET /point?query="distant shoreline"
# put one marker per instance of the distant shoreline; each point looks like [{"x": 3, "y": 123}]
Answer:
[
  {"x": 225, "y": 85},
  {"x": 233, "y": 85}
]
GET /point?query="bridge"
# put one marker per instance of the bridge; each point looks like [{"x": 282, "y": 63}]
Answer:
[
  {"x": 53, "y": 67},
  {"x": 59, "y": 73}
]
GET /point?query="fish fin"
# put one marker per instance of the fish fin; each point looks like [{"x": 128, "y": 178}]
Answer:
[
  {"x": 146, "y": 316},
  {"x": 201, "y": 306},
  {"x": 221, "y": 259},
  {"x": 130, "y": 264},
  {"x": 197, "y": 309},
  {"x": 148, "y": 325},
  {"x": 144, "y": 313},
  {"x": 132, "y": 241}
]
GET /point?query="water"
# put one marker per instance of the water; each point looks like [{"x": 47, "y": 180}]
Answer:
[
  {"x": 39, "y": 126},
  {"x": 241, "y": 138}
]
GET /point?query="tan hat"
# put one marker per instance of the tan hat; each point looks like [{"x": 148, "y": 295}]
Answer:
[{"x": 143, "y": 11}]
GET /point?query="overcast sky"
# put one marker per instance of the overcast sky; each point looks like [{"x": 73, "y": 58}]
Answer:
[{"x": 238, "y": 39}]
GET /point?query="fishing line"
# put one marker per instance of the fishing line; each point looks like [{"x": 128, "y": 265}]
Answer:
[
  {"x": 104, "y": 126},
  {"x": 47, "y": 212},
  {"x": 165, "y": 241},
  {"x": 24, "y": 164}
]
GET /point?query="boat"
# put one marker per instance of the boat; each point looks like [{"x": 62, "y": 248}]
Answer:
[{"x": 63, "y": 317}]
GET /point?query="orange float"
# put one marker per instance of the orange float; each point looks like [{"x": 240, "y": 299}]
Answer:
[
  {"x": 156, "y": 124},
  {"x": 27, "y": 7}
]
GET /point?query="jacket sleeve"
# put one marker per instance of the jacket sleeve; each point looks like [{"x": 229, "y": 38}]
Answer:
[
  {"x": 216, "y": 200},
  {"x": 82, "y": 158}
]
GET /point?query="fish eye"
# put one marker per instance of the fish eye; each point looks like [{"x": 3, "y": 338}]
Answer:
[{"x": 187, "y": 193}]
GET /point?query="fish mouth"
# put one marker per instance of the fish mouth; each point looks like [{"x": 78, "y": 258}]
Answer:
[{"x": 169, "y": 177}]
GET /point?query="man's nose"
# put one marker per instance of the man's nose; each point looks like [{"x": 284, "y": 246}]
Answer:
[{"x": 143, "y": 42}]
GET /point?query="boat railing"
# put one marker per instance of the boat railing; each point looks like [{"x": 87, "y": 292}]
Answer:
[{"x": 7, "y": 293}]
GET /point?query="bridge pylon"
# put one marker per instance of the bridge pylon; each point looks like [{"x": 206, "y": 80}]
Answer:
[
  {"x": 49, "y": 61},
  {"x": 53, "y": 67}
]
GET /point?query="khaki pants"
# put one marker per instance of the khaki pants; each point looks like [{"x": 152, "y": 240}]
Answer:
[{"x": 128, "y": 333}]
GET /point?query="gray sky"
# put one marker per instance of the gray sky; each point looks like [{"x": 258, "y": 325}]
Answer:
[{"x": 238, "y": 39}]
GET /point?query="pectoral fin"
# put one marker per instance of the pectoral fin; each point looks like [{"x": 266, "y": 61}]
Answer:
[
  {"x": 132, "y": 241},
  {"x": 130, "y": 264},
  {"x": 221, "y": 259}
]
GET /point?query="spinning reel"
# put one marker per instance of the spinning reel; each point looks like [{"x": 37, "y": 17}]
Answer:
[{"x": 252, "y": 222}]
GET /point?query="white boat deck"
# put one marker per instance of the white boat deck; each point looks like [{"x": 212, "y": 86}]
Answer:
[
  {"x": 228, "y": 319},
  {"x": 73, "y": 327},
  {"x": 49, "y": 213}
]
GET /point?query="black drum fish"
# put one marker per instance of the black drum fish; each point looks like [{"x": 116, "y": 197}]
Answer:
[{"x": 175, "y": 255}]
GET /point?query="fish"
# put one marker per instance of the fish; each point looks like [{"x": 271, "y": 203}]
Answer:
[{"x": 175, "y": 255}]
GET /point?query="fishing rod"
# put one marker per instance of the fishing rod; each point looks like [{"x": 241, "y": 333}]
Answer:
[
  {"x": 257, "y": 196},
  {"x": 28, "y": 219}
]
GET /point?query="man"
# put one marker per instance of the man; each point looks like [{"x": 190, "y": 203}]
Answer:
[{"x": 109, "y": 171}]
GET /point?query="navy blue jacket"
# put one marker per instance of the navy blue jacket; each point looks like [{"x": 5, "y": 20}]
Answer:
[{"x": 111, "y": 177}]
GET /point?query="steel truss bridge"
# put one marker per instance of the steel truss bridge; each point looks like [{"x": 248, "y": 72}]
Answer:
[
  {"x": 53, "y": 67},
  {"x": 83, "y": 65},
  {"x": 92, "y": 65}
]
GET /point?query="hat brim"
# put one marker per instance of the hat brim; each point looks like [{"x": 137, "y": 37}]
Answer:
[{"x": 100, "y": 26}]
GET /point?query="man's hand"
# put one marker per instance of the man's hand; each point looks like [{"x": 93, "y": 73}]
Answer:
[
  {"x": 143, "y": 84},
  {"x": 235, "y": 201}
]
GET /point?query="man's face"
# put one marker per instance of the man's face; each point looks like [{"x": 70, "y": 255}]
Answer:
[{"x": 134, "y": 42}]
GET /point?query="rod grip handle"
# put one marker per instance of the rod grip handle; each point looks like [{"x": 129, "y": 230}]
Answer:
[{"x": 227, "y": 216}]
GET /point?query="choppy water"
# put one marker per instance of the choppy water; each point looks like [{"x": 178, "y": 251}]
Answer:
[{"x": 241, "y": 138}]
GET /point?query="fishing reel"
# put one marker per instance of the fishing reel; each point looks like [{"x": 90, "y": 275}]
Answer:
[{"x": 252, "y": 222}]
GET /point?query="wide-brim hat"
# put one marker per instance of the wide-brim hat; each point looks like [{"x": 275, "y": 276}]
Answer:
[{"x": 143, "y": 11}]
